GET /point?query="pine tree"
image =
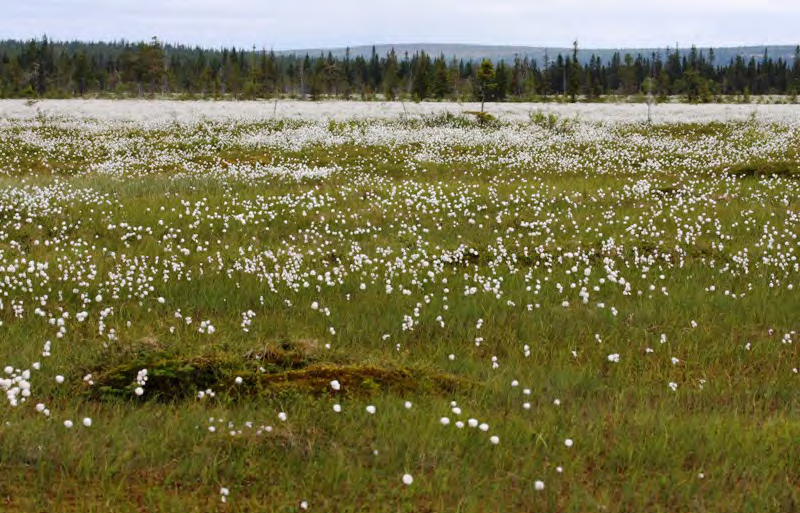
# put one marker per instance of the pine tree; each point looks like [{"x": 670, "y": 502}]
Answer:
[{"x": 483, "y": 84}]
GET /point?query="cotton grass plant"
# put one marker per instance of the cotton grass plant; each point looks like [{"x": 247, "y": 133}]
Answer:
[{"x": 223, "y": 313}]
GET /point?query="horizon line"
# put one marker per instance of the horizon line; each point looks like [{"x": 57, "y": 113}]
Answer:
[{"x": 676, "y": 45}]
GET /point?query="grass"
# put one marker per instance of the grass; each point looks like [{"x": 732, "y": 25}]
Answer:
[{"x": 683, "y": 236}]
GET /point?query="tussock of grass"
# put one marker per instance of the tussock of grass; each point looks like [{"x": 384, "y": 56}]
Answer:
[
  {"x": 281, "y": 355},
  {"x": 173, "y": 379},
  {"x": 779, "y": 169},
  {"x": 361, "y": 380},
  {"x": 483, "y": 118},
  {"x": 668, "y": 190},
  {"x": 168, "y": 378}
]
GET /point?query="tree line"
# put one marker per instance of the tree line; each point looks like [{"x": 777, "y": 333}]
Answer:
[{"x": 41, "y": 68}]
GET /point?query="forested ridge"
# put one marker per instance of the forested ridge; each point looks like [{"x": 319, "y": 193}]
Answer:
[{"x": 47, "y": 69}]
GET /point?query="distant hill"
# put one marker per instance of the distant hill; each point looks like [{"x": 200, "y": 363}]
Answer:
[{"x": 508, "y": 53}]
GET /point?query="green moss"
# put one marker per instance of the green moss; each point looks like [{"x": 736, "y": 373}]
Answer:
[
  {"x": 286, "y": 354},
  {"x": 361, "y": 380},
  {"x": 764, "y": 169},
  {"x": 168, "y": 378},
  {"x": 175, "y": 379}
]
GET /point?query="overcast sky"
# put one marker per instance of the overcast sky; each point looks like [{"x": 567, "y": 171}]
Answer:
[{"x": 334, "y": 23}]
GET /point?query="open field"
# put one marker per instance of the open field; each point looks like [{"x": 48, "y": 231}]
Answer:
[
  {"x": 258, "y": 111},
  {"x": 204, "y": 308}
]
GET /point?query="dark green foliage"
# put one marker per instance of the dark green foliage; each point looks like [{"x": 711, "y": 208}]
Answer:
[
  {"x": 47, "y": 69},
  {"x": 441, "y": 81},
  {"x": 422, "y": 77},
  {"x": 574, "y": 74},
  {"x": 484, "y": 84}
]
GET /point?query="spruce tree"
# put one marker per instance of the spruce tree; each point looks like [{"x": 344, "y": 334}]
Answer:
[
  {"x": 441, "y": 82},
  {"x": 501, "y": 81},
  {"x": 483, "y": 84},
  {"x": 796, "y": 72},
  {"x": 391, "y": 79},
  {"x": 422, "y": 76},
  {"x": 574, "y": 74},
  {"x": 81, "y": 73}
]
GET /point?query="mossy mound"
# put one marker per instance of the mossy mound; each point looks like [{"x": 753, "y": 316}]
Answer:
[
  {"x": 779, "y": 169},
  {"x": 279, "y": 355},
  {"x": 361, "y": 380},
  {"x": 667, "y": 190},
  {"x": 168, "y": 378},
  {"x": 175, "y": 379}
]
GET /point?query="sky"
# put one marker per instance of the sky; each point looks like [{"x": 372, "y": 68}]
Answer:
[{"x": 326, "y": 23}]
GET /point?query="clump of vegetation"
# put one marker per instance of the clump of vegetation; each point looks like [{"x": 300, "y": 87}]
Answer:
[
  {"x": 483, "y": 118},
  {"x": 288, "y": 354},
  {"x": 169, "y": 378},
  {"x": 766, "y": 169},
  {"x": 276, "y": 369},
  {"x": 552, "y": 122},
  {"x": 362, "y": 380},
  {"x": 448, "y": 119}
]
